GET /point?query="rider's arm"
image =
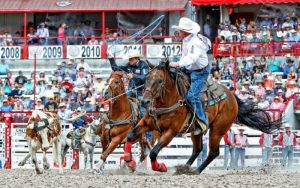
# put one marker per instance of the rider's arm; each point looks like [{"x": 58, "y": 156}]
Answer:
[
  {"x": 115, "y": 67},
  {"x": 144, "y": 71}
]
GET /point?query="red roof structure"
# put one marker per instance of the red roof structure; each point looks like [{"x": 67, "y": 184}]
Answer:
[
  {"x": 234, "y": 2},
  {"x": 15, "y": 6}
]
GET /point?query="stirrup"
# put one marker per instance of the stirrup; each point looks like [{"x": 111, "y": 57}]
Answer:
[{"x": 202, "y": 128}]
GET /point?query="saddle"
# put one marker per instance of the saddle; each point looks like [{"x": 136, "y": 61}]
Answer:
[{"x": 211, "y": 93}]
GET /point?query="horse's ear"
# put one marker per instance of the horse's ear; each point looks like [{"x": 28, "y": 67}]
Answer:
[{"x": 164, "y": 63}]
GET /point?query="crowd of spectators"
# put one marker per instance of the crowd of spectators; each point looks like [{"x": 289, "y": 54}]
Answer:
[
  {"x": 278, "y": 28},
  {"x": 71, "y": 85}
]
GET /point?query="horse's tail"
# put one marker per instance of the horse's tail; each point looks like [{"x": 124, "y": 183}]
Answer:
[{"x": 251, "y": 116}]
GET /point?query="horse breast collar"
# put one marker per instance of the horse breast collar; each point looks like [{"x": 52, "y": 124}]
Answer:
[{"x": 132, "y": 118}]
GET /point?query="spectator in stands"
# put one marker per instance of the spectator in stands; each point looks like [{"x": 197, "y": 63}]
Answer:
[
  {"x": 28, "y": 87},
  {"x": 262, "y": 103},
  {"x": 18, "y": 40},
  {"x": 207, "y": 28},
  {"x": 266, "y": 22},
  {"x": 82, "y": 81},
  {"x": 51, "y": 105},
  {"x": 226, "y": 33},
  {"x": 4, "y": 67},
  {"x": 39, "y": 104},
  {"x": 89, "y": 95},
  {"x": 259, "y": 90},
  {"x": 2, "y": 41},
  {"x": 10, "y": 77},
  {"x": 80, "y": 98},
  {"x": 255, "y": 37},
  {"x": 241, "y": 142},
  {"x": 88, "y": 107},
  {"x": 243, "y": 94},
  {"x": 21, "y": 79},
  {"x": 31, "y": 36},
  {"x": 229, "y": 148},
  {"x": 287, "y": 140},
  {"x": 243, "y": 25},
  {"x": 42, "y": 33},
  {"x": 63, "y": 113},
  {"x": 251, "y": 26},
  {"x": 293, "y": 74},
  {"x": 88, "y": 29},
  {"x": 269, "y": 95},
  {"x": 73, "y": 104},
  {"x": 93, "y": 41},
  {"x": 17, "y": 90},
  {"x": 49, "y": 91},
  {"x": 281, "y": 95},
  {"x": 288, "y": 23},
  {"x": 8, "y": 38},
  {"x": 278, "y": 86},
  {"x": 6, "y": 107},
  {"x": 19, "y": 105},
  {"x": 203, "y": 154},
  {"x": 40, "y": 87},
  {"x": 275, "y": 106},
  {"x": 71, "y": 71},
  {"x": 61, "y": 34},
  {"x": 67, "y": 85},
  {"x": 176, "y": 37},
  {"x": 266, "y": 142},
  {"x": 292, "y": 89},
  {"x": 294, "y": 37},
  {"x": 99, "y": 85},
  {"x": 84, "y": 65}
]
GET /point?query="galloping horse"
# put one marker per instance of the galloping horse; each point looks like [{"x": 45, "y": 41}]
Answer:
[
  {"x": 123, "y": 116},
  {"x": 167, "y": 113},
  {"x": 87, "y": 143},
  {"x": 43, "y": 129}
]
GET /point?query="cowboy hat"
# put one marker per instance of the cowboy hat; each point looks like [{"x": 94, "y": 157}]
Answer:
[
  {"x": 278, "y": 82},
  {"x": 292, "y": 82},
  {"x": 62, "y": 105},
  {"x": 187, "y": 25},
  {"x": 244, "y": 89},
  {"x": 287, "y": 125},
  {"x": 276, "y": 97},
  {"x": 133, "y": 54},
  {"x": 246, "y": 83},
  {"x": 241, "y": 128}
]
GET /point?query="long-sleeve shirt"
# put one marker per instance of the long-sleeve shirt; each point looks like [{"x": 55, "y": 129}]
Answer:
[
  {"x": 241, "y": 141},
  {"x": 229, "y": 138},
  {"x": 266, "y": 140},
  {"x": 194, "y": 52},
  {"x": 42, "y": 33}
]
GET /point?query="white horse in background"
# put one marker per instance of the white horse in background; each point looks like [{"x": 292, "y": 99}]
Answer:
[
  {"x": 87, "y": 143},
  {"x": 43, "y": 129}
]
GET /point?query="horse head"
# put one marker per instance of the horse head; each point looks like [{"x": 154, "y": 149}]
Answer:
[
  {"x": 155, "y": 84},
  {"x": 115, "y": 85}
]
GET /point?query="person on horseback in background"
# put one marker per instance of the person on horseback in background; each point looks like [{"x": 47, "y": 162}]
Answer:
[
  {"x": 137, "y": 71},
  {"x": 194, "y": 58},
  {"x": 79, "y": 120}
]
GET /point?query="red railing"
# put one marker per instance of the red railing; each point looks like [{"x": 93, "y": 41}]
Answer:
[{"x": 256, "y": 48}]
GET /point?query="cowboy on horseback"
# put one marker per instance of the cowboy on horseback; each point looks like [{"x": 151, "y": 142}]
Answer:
[
  {"x": 137, "y": 71},
  {"x": 195, "y": 60},
  {"x": 79, "y": 120}
]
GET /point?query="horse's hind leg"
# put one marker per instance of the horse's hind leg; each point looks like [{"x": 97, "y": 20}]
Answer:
[
  {"x": 91, "y": 157},
  {"x": 35, "y": 162},
  {"x": 215, "y": 137},
  {"x": 197, "y": 148}
]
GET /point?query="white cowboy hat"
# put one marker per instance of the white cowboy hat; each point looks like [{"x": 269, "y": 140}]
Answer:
[
  {"x": 244, "y": 89},
  {"x": 287, "y": 125},
  {"x": 241, "y": 128},
  {"x": 132, "y": 54},
  {"x": 187, "y": 25},
  {"x": 62, "y": 105}
]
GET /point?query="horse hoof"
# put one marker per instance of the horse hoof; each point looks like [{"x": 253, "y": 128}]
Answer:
[
  {"x": 21, "y": 163},
  {"x": 46, "y": 167},
  {"x": 160, "y": 167},
  {"x": 39, "y": 171},
  {"x": 132, "y": 165}
]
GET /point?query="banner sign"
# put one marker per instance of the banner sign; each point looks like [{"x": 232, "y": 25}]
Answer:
[
  {"x": 122, "y": 50},
  {"x": 45, "y": 52},
  {"x": 83, "y": 51},
  {"x": 162, "y": 51},
  {"x": 10, "y": 52}
]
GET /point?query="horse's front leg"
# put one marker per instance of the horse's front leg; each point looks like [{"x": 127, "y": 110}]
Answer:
[
  {"x": 132, "y": 136},
  {"x": 164, "y": 140},
  {"x": 91, "y": 157},
  {"x": 34, "y": 160},
  {"x": 23, "y": 162},
  {"x": 116, "y": 140}
]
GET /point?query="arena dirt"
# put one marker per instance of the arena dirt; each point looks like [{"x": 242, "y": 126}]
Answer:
[{"x": 145, "y": 178}]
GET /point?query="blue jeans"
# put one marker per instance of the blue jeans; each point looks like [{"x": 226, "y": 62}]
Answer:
[
  {"x": 240, "y": 153},
  {"x": 266, "y": 155},
  {"x": 43, "y": 41},
  {"x": 202, "y": 155},
  {"x": 60, "y": 42},
  {"x": 287, "y": 152},
  {"x": 228, "y": 151},
  {"x": 198, "y": 80}
]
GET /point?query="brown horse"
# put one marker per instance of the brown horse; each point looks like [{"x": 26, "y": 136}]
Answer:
[
  {"x": 167, "y": 113},
  {"x": 122, "y": 117}
]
